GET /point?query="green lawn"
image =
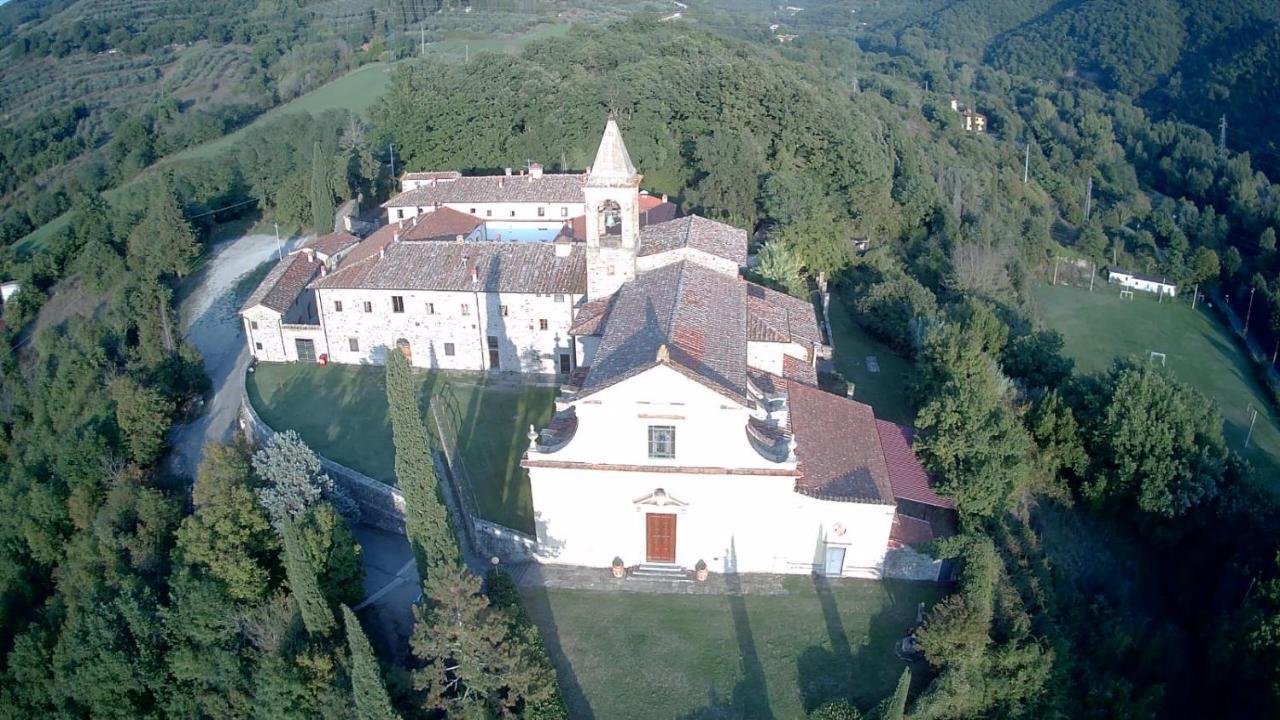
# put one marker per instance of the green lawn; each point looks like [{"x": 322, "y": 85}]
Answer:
[
  {"x": 885, "y": 391},
  {"x": 635, "y": 655},
  {"x": 1100, "y": 326},
  {"x": 341, "y": 411}
]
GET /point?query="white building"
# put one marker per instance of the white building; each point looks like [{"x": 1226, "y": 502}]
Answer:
[
  {"x": 690, "y": 425},
  {"x": 1142, "y": 281}
]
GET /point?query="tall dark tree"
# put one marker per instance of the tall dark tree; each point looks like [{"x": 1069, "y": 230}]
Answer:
[
  {"x": 317, "y": 616},
  {"x": 163, "y": 243},
  {"x": 322, "y": 207},
  {"x": 426, "y": 517},
  {"x": 372, "y": 701}
]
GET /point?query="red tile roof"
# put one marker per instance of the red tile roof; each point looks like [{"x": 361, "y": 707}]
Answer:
[
  {"x": 906, "y": 474},
  {"x": 592, "y": 316},
  {"x": 469, "y": 266},
  {"x": 837, "y": 447},
  {"x": 909, "y": 531},
  {"x": 282, "y": 285},
  {"x": 333, "y": 243},
  {"x": 550, "y": 188},
  {"x": 778, "y": 317},
  {"x": 443, "y": 224},
  {"x": 697, "y": 233},
  {"x": 799, "y": 370}
]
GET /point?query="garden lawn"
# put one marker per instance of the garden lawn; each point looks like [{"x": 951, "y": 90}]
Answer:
[
  {"x": 341, "y": 412},
  {"x": 1099, "y": 326},
  {"x": 640, "y": 655},
  {"x": 885, "y": 391}
]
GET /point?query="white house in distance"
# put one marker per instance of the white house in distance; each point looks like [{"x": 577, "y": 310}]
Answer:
[
  {"x": 690, "y": 425},
  {"x": 1142, "y": 281}
]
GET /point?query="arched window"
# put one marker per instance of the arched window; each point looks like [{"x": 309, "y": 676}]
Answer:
[{"x": 609, "y": 223}]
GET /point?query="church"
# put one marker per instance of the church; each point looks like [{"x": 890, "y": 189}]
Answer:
[{"x": 690, "y": 430}]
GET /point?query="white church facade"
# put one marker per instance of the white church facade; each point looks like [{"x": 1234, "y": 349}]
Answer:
[{"x": 690, "y": 427}]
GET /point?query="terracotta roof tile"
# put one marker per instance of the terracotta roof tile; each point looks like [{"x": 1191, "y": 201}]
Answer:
[
  {"x": 282, "y": 285},
  {"x": 698, "y": 233},
  {"x": 907, "y": 530},
  {"x": 592, "y": 316},
  {"x": 799, "y": 370},
  {"x": 698, "y": 313},
  {"x": 443, "y": 224},
  {"x": 333, "y": 243},
  {"x": 837, "y": 446},
  {"x": 778, "y": 317},
  {"x": 495, "y": 188},
  {"x": 906, "y": 475},
  {"x": 498, "y": 267}
]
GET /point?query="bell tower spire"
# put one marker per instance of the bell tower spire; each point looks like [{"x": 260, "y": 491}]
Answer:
[{"x": 612, "y": 195}]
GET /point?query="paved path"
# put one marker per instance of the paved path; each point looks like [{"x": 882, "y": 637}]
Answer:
[{"x": 573, "y": 577}]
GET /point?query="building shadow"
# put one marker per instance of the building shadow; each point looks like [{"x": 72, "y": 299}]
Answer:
[{"x": 538, "y": 605}]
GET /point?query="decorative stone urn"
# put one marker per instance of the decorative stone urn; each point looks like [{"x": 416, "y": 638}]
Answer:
[
  {"x": 619, "y": 570},
  {"x": 700, "y": 571}
]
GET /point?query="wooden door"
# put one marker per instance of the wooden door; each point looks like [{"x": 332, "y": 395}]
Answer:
[
  {"x": 566, "y": 365},
  {"x": 660, "y": 537}
]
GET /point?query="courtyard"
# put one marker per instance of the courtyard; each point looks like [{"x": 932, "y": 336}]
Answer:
[
  {"x": 638, "y": 655},
  {"x": 341, "y": 412},
  {"x": 1100, "y": 326}
]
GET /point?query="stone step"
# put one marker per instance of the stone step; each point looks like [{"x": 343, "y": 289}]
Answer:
[{"x": 649, "y": 571}]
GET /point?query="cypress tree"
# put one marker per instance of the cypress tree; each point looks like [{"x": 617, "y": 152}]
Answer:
[
  {"x": 426, "y": 517},
  {"x": 372, "y": 701},
  {"x": 322, "y": 207},
  {"x": 317, "y": 616},
  {"x": 895, "y": 706}
]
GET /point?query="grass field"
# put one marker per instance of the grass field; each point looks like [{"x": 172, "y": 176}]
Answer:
[
  {"x": 458, "y": 46},
  {"x": 341, "y": 412},
  {"x": 884, "y": 391},
  {"x": 1100, "y": 326},
  {"x": 638, "y": 655}
]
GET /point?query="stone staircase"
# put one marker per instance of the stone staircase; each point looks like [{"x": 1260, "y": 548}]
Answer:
[{"x": 653, "y": 571}]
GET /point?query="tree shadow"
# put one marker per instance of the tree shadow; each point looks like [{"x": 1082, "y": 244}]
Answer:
[
  {"x": 538, "y": 605},
  {"x": 862, "y": 674}
]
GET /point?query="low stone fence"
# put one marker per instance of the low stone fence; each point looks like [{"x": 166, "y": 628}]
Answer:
[
  {"x": 509, "y": 546},
  {"x": 381, "y": 505},
  {"x": 907, "y": 564}
]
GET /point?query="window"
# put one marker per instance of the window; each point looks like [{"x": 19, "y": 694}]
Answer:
[
  {"x": 473, "y": 211},
  {"x": 564, "y": 212},
  {"x": 448, "y": 349},
  {"x": 399, "y": 213},
  {"x": 431, "y": 308},
  {"x": 542, "y": 212},
  {"x": 353, "y": 344},
  {"x": 559, "y": 298},
  {"x": 368, "y": 306},
  {"x": 503, "y": 310},
  {"x": 488, "y": 213},
  {"x": 466, "y": 309},
  {"x": 610, "y": 271},
  {"x": 542, "y": 324},
  {"x": 493, "y": 341},
  {"x": 337, "y": 306},
  {"x": 513, "y": 213},
  {"x": 258, "y": 345},
  {"x": 253, "y": 324},
  {"x": 397, "y": 303},
  {"x": 662, "y": 441}
]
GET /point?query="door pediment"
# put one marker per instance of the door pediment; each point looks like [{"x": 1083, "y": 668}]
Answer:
[{"x": 659, "y": 498}]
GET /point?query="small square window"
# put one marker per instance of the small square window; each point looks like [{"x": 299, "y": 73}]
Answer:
[
  {"x": 397, "y": 303},
  {"x": 448, "y": 349},
  {"x": 542, "y": 324},
  {"x": 564, "y": 212},
  {"x": 513, "y": 213},
  {"x": 493, "y": 341},
  {"x": 258, "y": 345},
  {"x": 542, "y": 212},
  {"x": 503, "y": 310},
  {"x": 253, "y": 324},
  {"x": 399, "y": 213},
  {"x": 431, "y": 308},
  {"x": 368, "y": 306},
  {"x": 473, "y": 211},
  {"x": 337, "y": 306},
  {"x": 353, "y": 344},
  {"x": 662, "y": 441},
  {"x": 559, "y": 298},
  {"x": 466, "y": 309},
  {"x": 488, "y": 213}
]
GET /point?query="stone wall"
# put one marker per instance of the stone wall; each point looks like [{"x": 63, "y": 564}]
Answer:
[{"x": 907, "y": 564}]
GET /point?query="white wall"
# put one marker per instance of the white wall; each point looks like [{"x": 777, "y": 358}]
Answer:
[
  {"x": 266, "y": 334},
  {"x": 768, "y": 356},
  {"x": 523, "y": 345},
  {"x": 714, "y": 262},
  {"x": 519, "y": 211}
]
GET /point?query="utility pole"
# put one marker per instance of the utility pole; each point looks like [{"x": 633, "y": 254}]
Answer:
[
  {"x": 1253, "y": 417},
  {"x": 1222, "y": 138},
  {"x": 1026, "y": 164},
  {"x": 1055, "y": 271},
  {"x": 1275, "y": 352},
  {"x": 466, "y": 58},
  {"x": 1093, "y": 272},
  {"x": 1248, "y": 312},
  {"x": 279, "y": 247},
  {"x": 1195, "y": 297},
  {"x": 1088, "y": 199},
  {"x": 422, "y": 31},
  {"x": 392, "y": 149}
]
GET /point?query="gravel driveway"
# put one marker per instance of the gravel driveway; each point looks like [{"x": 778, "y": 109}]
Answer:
[{"x": 209, "y": 322}]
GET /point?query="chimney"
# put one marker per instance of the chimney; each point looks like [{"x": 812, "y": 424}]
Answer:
[
  {"x": 394, "y": 238},
  {"x": 508, "y": 172},
  {"x": 382, "y": 252},
  {"x": 664, "y": 197},
  {"x": 535, "y": 170},
  {"x": 475, "y": 273},
  {"x": 502, "y": 181}
]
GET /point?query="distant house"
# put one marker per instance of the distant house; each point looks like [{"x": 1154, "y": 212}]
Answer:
[
  {"x": 8, "y": 290},
  {"x": 1142, "y": 281},
  {"x": 974, "y": 121}
]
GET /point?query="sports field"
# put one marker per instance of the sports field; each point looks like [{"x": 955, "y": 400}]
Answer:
[{"x": 1100, "y": 326}]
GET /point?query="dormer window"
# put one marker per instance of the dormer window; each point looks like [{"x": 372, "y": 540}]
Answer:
[{"x": 662, "y": 441}]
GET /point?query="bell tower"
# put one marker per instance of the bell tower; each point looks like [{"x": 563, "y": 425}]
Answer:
[{"x": 612, "y": 196}]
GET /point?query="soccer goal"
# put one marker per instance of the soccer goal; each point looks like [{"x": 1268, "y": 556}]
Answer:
[
  {"x": 1126, "y": 294},
  {"x": 1155, "y": 355}
]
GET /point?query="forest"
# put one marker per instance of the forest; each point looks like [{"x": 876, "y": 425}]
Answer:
[{"x": 1115, "y": 558}]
